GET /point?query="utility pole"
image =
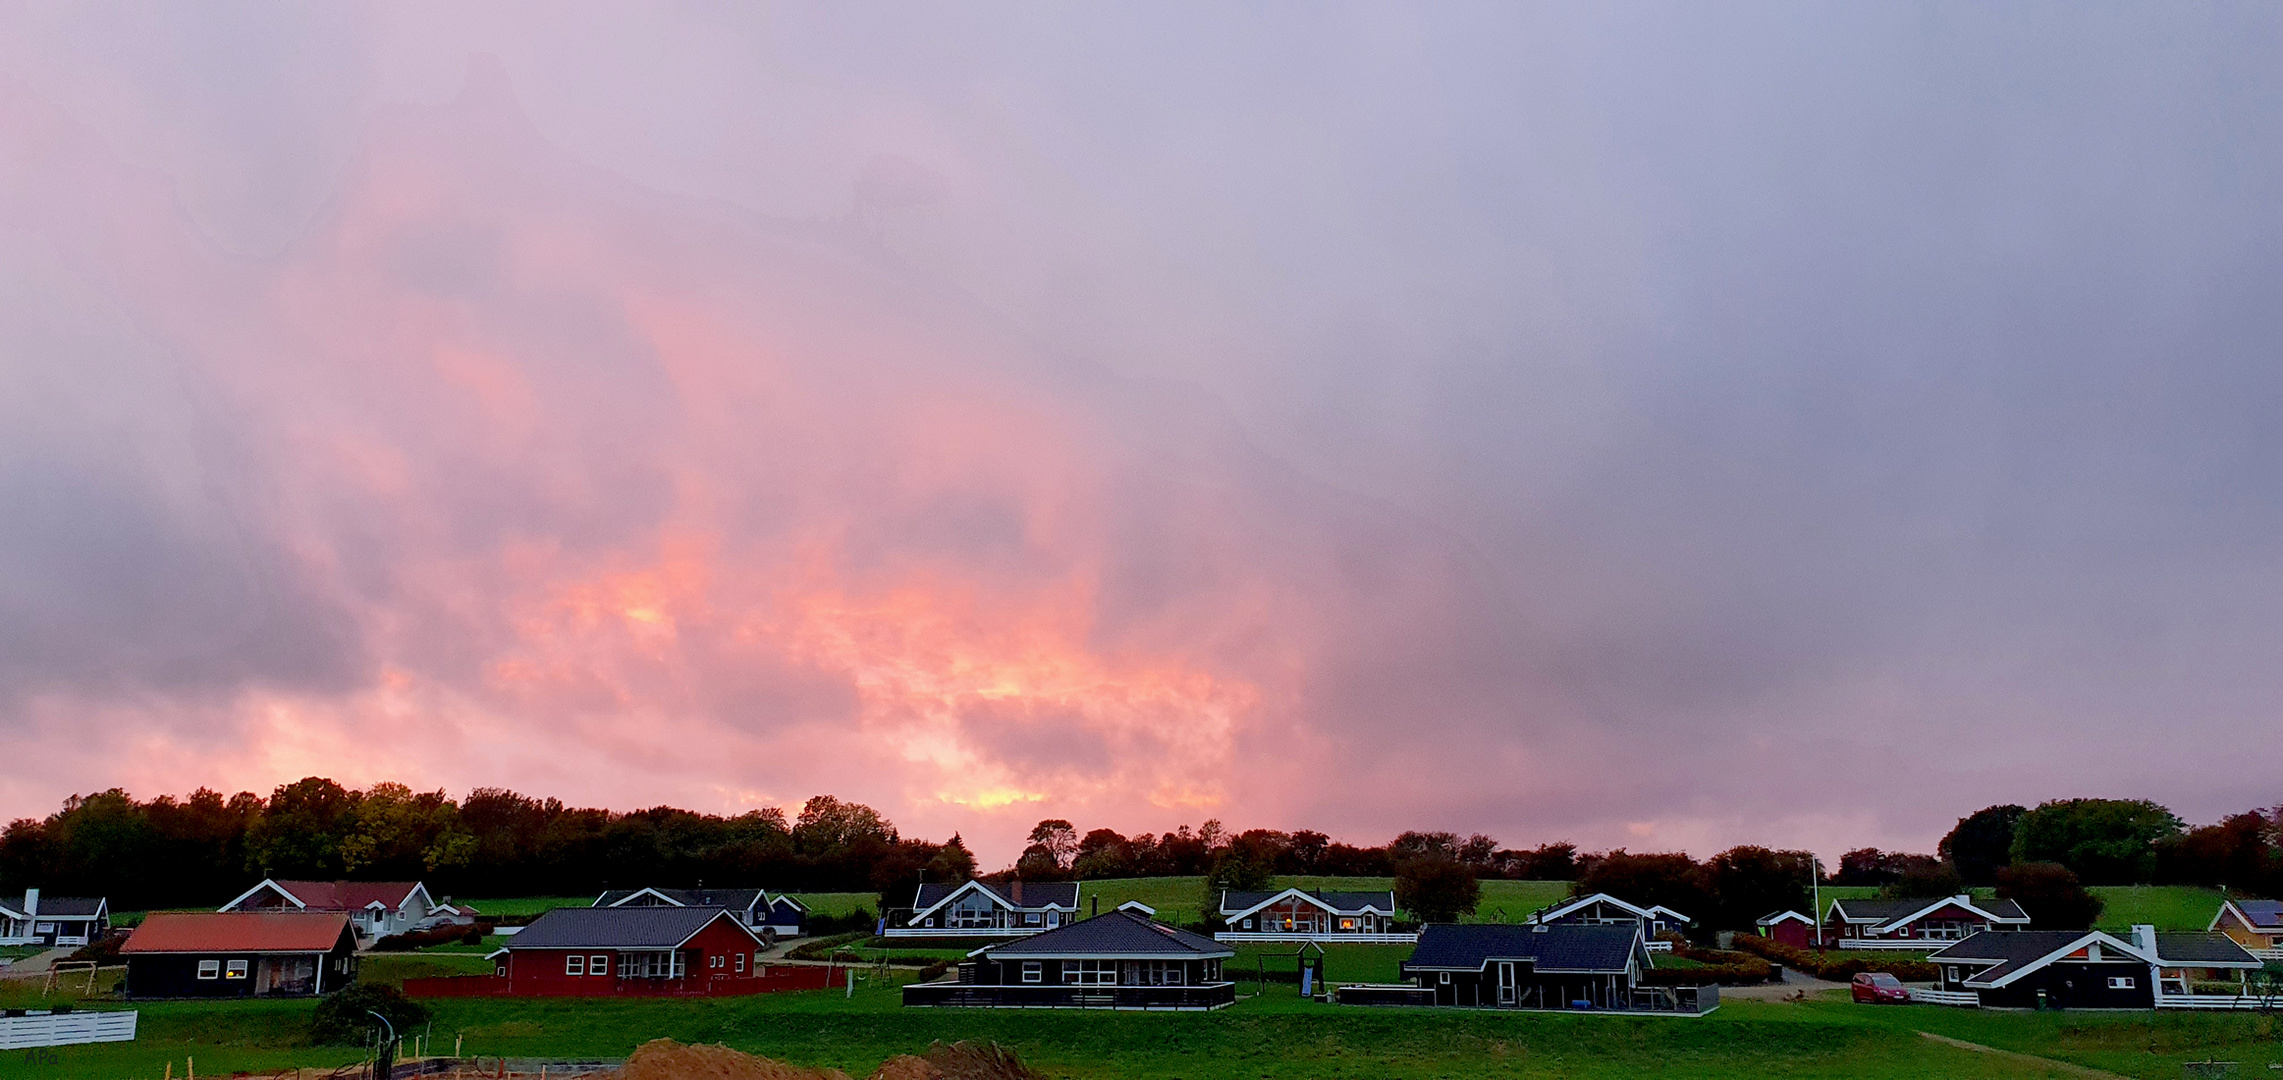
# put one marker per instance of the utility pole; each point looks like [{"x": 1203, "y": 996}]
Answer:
[{"x": 1815, "y": 898}]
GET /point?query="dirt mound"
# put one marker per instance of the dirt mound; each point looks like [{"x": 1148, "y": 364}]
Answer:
[
  {"x": 958, "y": 1061},
  {"x": 665, "y": 1059}
]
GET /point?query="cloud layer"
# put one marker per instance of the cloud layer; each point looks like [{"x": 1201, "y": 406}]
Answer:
[{"x": 1663, "y": 428}]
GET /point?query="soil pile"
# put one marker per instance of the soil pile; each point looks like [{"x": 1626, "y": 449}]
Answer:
[
  {"x": 958, "y": 1061},
  {"x": 665, "y": 1059}
]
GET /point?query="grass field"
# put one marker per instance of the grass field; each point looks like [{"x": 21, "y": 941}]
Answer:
[{"x": 1274, "y": 1036}]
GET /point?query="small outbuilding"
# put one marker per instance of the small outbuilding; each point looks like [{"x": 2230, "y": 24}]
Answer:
[
  {"x": 1788, "y": 928},
  {"x": 53, "y": 921},
  {"x": 240, "y": 954}
]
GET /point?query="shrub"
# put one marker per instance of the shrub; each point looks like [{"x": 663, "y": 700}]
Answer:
[
  {"x": 859, "y": 919},
  {"x": 2051, "y": 895},
  {"x": 344, "y": 1017},
  {"x": 435, "y": 935},
  {"x": 102, "y": 950},
  {"x": 1835, "y": 966},
  {"x": 821, "y": 948},
  {"x": 1436, "y": 888},
  {"x": 1720, "y": 966}
]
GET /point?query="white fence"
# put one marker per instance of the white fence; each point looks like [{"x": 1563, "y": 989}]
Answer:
[
  {"x": 1946, "y": 997},
  {"x": 65, "y": 1029},
  {"x": 2267, "y": 954},
  {"x": 965, "y": 931},
  {"x": 1660, "y": 946},
  {"x": 2212, "y": 1001},
  {"x": 1328, "y": 937},
  {"x": 1912, "y": 944}
]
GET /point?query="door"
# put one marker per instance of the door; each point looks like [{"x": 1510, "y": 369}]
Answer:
[{"x": 1506, "y": 982}]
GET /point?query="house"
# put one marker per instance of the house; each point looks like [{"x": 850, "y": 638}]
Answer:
[
  {"x": 1913, "y": 924},
  {"x": 1122, "y": 960},
  {"x": 376, "y": 909},
  {"x": 53, "y": 921},
  {"x": 2186, "y": 958},
  {"x": 770, "y": 917},
  {"x": 1306, "y": 915},
  {"x": 240, "y": 954},
  {"x": 1788, "y": 928},
  {"x": 981, "y": 908},
  {"x": 1542, "y": 965},
  {"x": 1604, "y": 909},
  {"x": 639, "y": 950},
  {"x": 2256, "y": 925},
  {"x": 2084, "y": 969}
]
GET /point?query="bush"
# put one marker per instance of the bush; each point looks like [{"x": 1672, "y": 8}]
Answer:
[
  {"x": 1720, "y": 966},
  {"x": 435, "y": 935},
  {"x": 1436, "y": 888},
  {"x": 344, "y": 1016},
  {"x": 821, "y": 948},
  {"x": 933, "y": 971},
  {"x": 859, "y": 919},
  {"x": 2051, "y": 895},
  {"x": 1835, "y": 966},
  {"x": 102, "y": 950}
]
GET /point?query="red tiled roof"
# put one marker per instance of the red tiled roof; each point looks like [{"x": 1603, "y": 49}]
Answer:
[
  {"x": 236, "y": 931},
  {"x": 348, "y": 895}
]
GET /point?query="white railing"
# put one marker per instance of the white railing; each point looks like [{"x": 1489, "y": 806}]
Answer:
[
  {"x": 1660, "y": 946},
  {"x": 65, "y": 1029},
  {"x": 1946, "y": 997},
  {"x": 965, "y": 931},
  {"x": 1326, "y": 937},
  {"x": 2266, "y": 954},
  {"x": 2209, "y": 1001},
  {"x": 1912, "y": 944}
]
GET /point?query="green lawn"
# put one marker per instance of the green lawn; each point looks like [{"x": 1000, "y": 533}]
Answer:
[
  {"x": 1177, "y": 899},
  {"x": 529, "y": 905},
  {"x": 1275, "y": 1036},
  {"x": 2167, "y": 907}
]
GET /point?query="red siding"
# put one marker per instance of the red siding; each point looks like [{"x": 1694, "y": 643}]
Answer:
[
  {"x": 1792, "y": 932},
  {"x": 545, "y": 972}
]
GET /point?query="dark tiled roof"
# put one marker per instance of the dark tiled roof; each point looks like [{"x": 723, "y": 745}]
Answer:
[
  {"x": 58, "y": 907},
  {"x": 1233, "y": 901},
  {"x": 237, "y": 931},
  {"x": 1550, "y": 946},
  {"x": 1021, "y": 894},
  {"x": 614, "y": 928},
  {"x": 2014, "y": 949},
  {"x": 738, "y": 899},
  {"x": 2198, "y": 948},
  {"x": 2264, "y": 914},
  {"x": 1119, "y": 933}
]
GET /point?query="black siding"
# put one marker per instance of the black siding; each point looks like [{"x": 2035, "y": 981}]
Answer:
[{"x": 2076, "y": 986}]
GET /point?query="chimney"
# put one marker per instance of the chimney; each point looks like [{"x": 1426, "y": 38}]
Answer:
[
  {"x": 31, "y": 901},
  {"x": 2144, "y": 935}
]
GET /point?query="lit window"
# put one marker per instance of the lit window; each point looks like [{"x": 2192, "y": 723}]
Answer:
[
  {"x": 210, "y": 969},
  {"x": 574, "y": 965},
  {"x": 1031, "y": 971},
  {"x": 598, "y": 964},
  {"x": 236, "y": 970}
]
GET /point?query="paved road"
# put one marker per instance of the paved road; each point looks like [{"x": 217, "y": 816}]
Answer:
[{"x": 35, "y": 964}]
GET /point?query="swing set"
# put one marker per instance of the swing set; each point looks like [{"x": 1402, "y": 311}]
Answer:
[{"x": 1304, "y": 966}]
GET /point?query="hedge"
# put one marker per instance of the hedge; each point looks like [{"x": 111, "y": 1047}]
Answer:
[
  {"x": 1724, "y": 968},
  {"x": 1836, "y": 966}
]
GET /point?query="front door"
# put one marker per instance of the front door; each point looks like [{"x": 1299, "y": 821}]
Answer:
[{"x": 1506, "y": 982}]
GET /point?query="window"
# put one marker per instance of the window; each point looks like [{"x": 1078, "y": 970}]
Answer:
[
  {"x": 1090, "y": 972},
  {"x": 43, "y": 928},
  {"x": 1030, "y": 918},
  {"x": 210, "y": 969},
  {"x": 598, "y": 964},
  {"x": 1347, "y": 924},
  {"x": 717, "y": 960},
  {"x": 1031, "y": 971},
  {"x": 235, "y": 970},
  {"x": 1248, "y": 924},
  {"x": 740, "y": 962},
  {"x": 574, "y": 965},
  {"x": 2120, "y": 982}
]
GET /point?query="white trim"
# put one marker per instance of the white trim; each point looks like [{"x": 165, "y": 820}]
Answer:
[
  {"x": 1563, "y": 909},
  {"x": 977, "y": 883},
  {"x": 1966, "y": 902},
  {"x": 1782, "y": 916},
  {"x": 1303, "y": 894},
  {"x": 1328, "y": 937},
  {"x": 266, "y": 883},
  {"x": 2092, "y": 937},
  {"x": 629, "y": 898}
]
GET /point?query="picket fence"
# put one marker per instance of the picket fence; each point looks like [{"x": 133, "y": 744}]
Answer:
[{"x": 35, "y": 1028}]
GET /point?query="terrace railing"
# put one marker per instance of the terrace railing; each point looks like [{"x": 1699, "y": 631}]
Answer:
[
  {"x": 1350, "y": 937},
  {"x": 1947, "y": 997},
  {"x": 1208, "y": 996}
]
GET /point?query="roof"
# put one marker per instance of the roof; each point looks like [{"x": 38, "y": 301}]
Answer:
[
  {"x": 237, "y": 932},
  {"x": 1234, "y": 902},
  {"x": 56, "y": 907},
  {"x": 1595, "y": 947},
  {"x": 1774, "y": 917},
  {"x": 2259, "y": 914},
  {"x": 1014, "y": 894},
  {"x": 617, "y": 928},
  {"x": 2016, "y": 953},
  {"x": 2199, "y": 948},
  {"x": 1117, "y": 934},
  {"x": 1890, "y": 914},
  {"x": 739, "y": 899},
  {"x": 335, "y": 895},
  {"x": 1574, "y": 903}
]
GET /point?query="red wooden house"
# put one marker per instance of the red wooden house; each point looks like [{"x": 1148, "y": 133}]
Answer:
[
  {"x": 631, "y": 952},
  {"x": 1788, "y": 928}
]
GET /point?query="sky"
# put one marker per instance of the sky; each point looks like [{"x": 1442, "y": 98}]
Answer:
[{"x": 1664, "y": 426}]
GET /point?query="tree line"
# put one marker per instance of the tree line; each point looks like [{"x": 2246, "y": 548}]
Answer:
[{"x": 204, "y": 848}]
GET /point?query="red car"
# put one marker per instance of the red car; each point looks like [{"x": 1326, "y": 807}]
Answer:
[{"x": 1873, "y": 987}]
